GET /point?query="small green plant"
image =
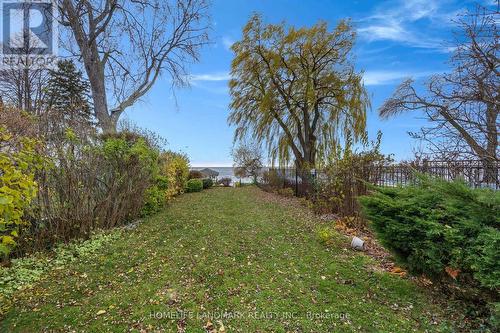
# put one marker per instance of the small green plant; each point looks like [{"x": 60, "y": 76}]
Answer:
[
  {"x": 194, "y": 185},
  {"x": 162, "y": 182},
  {"x": 326, "y": 235},
  {"x": 207, "y": 183}
]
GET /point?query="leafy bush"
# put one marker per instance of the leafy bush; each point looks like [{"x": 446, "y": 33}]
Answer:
[
  {"x": 18, "y": 163},
  {"x": 226, "y": 181},
  {"x": 155, "y": 196},
  {"x": 133, "y": 162},
  {"x": 99, "y": 182},
  {"x": 440, "y": 228},
  {"x": 88, "y": 180},
  {"x": 272, "y": 180},
  {"x": 153, "y": 201},
  {"x": 195, "y": 174},
  {"x": 207, "y": 183},
  {"x": 343, "y": 178},
  {"x": 194, "y": 185},
  {"x": 174, "y": 166},
  {"x": 494, "y": 319},
  {"x": 162, "y": 182}
]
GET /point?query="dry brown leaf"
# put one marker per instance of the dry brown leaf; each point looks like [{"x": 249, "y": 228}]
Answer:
[
  {"x": 425, "y": 281},
  {"x": 209, "y": 327}
]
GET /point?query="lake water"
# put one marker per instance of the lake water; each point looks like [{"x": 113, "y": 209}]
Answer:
[
  {"x": 229, "y": 172},
  {"x": 225, "y": 172}
]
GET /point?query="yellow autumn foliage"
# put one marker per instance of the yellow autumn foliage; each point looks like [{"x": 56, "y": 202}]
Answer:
[
  {"x": 175, "y": 167},
  {"x": 18, "y": 162}
]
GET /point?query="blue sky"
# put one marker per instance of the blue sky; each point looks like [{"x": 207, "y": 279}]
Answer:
[{"x": 396, "y": 39}]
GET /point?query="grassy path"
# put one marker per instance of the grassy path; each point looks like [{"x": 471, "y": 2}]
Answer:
[{"x": 229, "y": 252}]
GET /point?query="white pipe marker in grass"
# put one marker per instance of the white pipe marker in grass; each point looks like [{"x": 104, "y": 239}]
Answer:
[{"x": 358, "y": 244}]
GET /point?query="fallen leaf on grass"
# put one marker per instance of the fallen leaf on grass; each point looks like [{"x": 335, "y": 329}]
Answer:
[
  {"x": 398, "y": 271},
  {"x": 425, "y": 281},
  {"x": 222, "y": 329},
  {"x": 100, "y": 312},
  {"x": 209, "y": 327},
  {"x": 452, "y": 272}
]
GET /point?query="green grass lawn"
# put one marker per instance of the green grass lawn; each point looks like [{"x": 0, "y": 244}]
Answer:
[{"x": 251, "y": 261}]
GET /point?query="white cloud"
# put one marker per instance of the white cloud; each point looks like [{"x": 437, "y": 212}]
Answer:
[
  {"x": 396, "y": 23},
  {"x": 381, "y": 77},
  {"x": 209, "y": 77},
  {"x": 418, "y": 9},
  {"x": 387, "y": 31},
  {"x": 212, "y": 82},
  {"x": 370, "y": 78}
]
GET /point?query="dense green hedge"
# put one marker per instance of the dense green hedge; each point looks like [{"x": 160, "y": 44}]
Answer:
[
  {"x": 194, "y": 185},
  {"x": 441, "y": 229}
]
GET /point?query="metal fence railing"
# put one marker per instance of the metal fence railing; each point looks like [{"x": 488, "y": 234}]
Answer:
[{"x": 473, "y": 172}]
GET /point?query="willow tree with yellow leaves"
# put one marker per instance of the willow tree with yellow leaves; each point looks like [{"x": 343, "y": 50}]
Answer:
[{"x": 297, "y": 91}]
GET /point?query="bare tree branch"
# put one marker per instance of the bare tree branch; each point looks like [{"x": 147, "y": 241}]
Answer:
[{"x": 126, "y": 45}]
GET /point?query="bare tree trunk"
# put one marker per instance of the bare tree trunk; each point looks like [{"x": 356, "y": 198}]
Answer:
[
  {"x": 304, "y": 166},
  {"x": 27, "y": 90},
  {"x": 490, "y": 161},
  {"x": 94, "y": 68},
  {"x": 490, "y": 175},
  {"x": 98, "y": 90}
]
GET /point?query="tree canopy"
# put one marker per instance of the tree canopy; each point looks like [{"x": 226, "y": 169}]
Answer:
[
  {"x": 67, "y": 92},
  {"x": 247, "y": 160},
  {"x": 297, "y": 90}
]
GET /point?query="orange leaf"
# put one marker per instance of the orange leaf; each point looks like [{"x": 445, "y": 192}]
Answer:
[
  {"x": 397, "y": 270},
  {"x": 452, "y": 272}
]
